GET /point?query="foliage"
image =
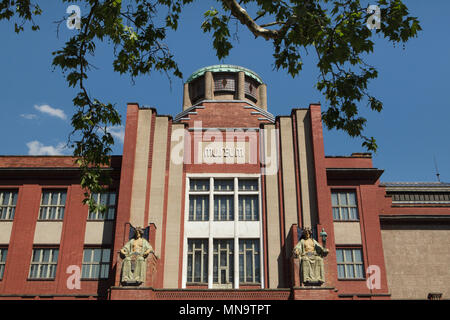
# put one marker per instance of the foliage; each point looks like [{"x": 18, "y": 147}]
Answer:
[{"x": 334, "y": 30}]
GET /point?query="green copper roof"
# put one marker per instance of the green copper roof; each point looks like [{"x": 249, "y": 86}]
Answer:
[{"x": 224, "y": 68}]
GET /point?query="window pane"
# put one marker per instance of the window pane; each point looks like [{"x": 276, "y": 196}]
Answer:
[
  {"x": 344, "y": 213},
  {"x": 351, "y": 199},
  {"x": 341, "y": 272},
  {"x": 353, "y": 214},
  {"x": 45, "y": 197},
  {"x": 343, "y": 199},
  {"x": 358, "y": 257},
  {"x": 199, "y": 184},
  {"x": 223, "y": 185},
  {"x": 359, "y": 271},
  {"x": 97, "y": 255},
  {"x": 87, "y": 255},
  {"x": 46, "y": 257},
  {"x": 106, "y": 255},
  {"x": 95, "y": 271},
  {"x": 54, "y": 198},
  {"x": 349, "y": 271},
  {"x": 339, "y": 255},
  {"x": 112, "y": 199},
  {"x": 223, "y": 208},
  {"x": 336, "y": 213},
  {"x": 55, "y": 255},
  {"x": 248, "y": 185},
  {"x": 334, "y": 199},
  {"x": 104, "y": 272},
  {"x": 85, "y": 271},
  {"x": 63, "y": 198},
  {"x": 348, "y": 255}
]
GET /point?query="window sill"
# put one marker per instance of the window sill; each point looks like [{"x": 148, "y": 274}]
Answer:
[
  {"x": 351, "y": 279},
  {"x": 348, "y": 220},
  {"x": 6, "y": 220},
  {"x": 94, "y": 279},
  {"x": 41, "y": 279},
  {"x": 50, "y": 220}
]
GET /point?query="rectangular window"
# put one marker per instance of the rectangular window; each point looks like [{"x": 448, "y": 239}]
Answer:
[
  {"x": 350, "y": 264},
  {"x": 199, "y": 185},
  {"x": 249, "y": 262},
  {"x": 223, "y": 208},
  {"x": 223, "y": 264},
  {"x": 248, "y": 185},
  {"x": 43, "y": 263},
  {"x": 108, "y": 201},
  {"x": 197, "y": 267},
  {"x": 344, "y": 205},
  {"x": 223, "y": 184},
  {"x": 8, "y": 201},
  {"x": 3, "y": 254},
  {"x": 248, "y": 208},
  {"x": 96, "y": 263},
  {"x": 198, "y": 208},
  {"x": 52, "y": 205}
]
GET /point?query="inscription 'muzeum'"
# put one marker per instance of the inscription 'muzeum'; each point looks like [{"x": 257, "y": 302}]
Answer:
[{"x": 224, "y": 152}]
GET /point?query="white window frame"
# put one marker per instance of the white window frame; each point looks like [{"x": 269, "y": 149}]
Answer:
[
  {"x": 201, "y": 259},
  {"x": 254, "y": 261},
  {"x": 352, "y": 263},
  {"x": 96, "y": 216},
  {"x": 46, "y": 207},
  {"x": 339, "y": 206},
  {"x": 41, "y": 263},
  {"x": 10, "y": 207},
  {"x": 223, "y": 229},
  {"x": 100, "y": 264}
]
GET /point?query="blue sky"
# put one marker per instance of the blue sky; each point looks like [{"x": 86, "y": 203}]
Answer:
[{"x": 413, "y": 83}]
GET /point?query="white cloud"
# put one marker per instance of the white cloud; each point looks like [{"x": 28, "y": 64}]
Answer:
[
  {"x": 117, "y": 132},
  {"x": 59, "y": 113},
  {"x": 29, "y": 116},
  {"x": 36, "y": 148}
]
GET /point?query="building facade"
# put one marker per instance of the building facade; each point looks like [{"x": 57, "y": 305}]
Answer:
[{"x": 225, "y": 190}]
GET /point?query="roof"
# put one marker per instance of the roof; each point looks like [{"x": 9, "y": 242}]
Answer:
[
  {"x": 415, "y": 184},
  {"x": 225, "y": 68}
]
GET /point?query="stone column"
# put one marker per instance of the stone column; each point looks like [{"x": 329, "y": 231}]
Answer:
[
  {"x": 186, "y": 99},
  {"x": 209, "y": 89},
  {"x": 262, "y": 100},
  {"x": 241, "y": 86}
]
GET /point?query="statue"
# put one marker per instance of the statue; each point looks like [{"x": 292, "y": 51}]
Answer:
[
  {"x": 134, "y": 265},
  {"x": 310, "y": 252}
]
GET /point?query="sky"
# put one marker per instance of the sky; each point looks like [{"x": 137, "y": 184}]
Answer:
[{"x": 413, "y": 83}]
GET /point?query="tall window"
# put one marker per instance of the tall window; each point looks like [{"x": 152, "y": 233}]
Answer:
[
  {"x": 199, "y": 200},
  {"x": 8, "y": 201},
  {"x": 43, "y": 263},
  {"x": 350, "y": 264},
  {"x": 96, "y": 263},
  {"x": 344, "y": 205},
  {"x": 197, "y": 266},
  {"x": 106, "y": 199},
  {"x": 3, "y": 254},
  {"x": 248, "y": 200},
  {"x": 53, "y": 203},
  {"x": 223, "y": 265},
  {"x": 249, "y": 261},
  {"x": 229, "y": 239}
]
